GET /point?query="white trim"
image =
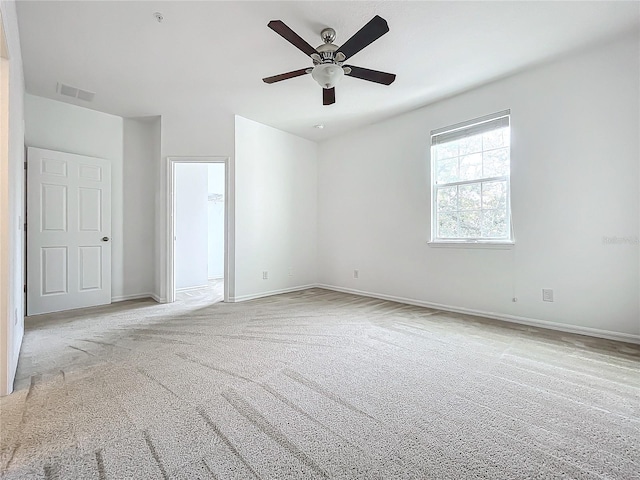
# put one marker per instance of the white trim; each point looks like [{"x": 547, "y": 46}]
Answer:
[
  {"x": 472, "y": 244},
  {"x": 132, "y": 296},
  {"x": 500, "y": 178},
  {"x": 10, "y": 347},
  {"x": 533, "y": 322},
  {"x": 188, "y": 289},
  {"x": 253, "y": 296},
  {"x": 474, "y": 121},
  {"x": 158, "y": 299},
  {"x": 229, "y": 222},
  {"x": 16, "y": 355},
  {"x": 435, "y": 187}
]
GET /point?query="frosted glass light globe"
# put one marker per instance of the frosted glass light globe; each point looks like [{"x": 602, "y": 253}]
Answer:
[{"x": 327, "y": 74}]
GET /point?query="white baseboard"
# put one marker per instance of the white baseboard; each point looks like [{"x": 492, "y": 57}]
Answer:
[
  {"x": 158, "y": 298},
  {"x": 136, "y": 296},
  {"x": 253, "y": 296},
  {"x": 133, "y": 296},
  {"x": 12, "y": 366},
  {"x": 533, "y": 322},
  {"x": 188, "y": 289}
]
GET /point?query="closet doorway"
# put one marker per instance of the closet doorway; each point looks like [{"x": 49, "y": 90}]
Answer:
[{"x": 198, "y": 221}]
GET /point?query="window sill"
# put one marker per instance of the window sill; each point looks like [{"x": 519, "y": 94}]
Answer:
[{"x": 477, "y": 244}]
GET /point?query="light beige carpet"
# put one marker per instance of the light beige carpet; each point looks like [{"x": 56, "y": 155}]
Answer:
[{"x": 315, "y": 384}]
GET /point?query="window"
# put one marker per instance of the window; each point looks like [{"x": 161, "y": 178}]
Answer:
[{"x": 470, "y": 167}]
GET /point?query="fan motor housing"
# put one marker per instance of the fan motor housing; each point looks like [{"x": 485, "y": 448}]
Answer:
[{"x": 326, "y": 51}]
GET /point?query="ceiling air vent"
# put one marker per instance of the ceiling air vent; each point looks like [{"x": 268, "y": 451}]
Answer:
[
  {"x": 74, "y": 92},
  {"x": 84, "y": 95}
]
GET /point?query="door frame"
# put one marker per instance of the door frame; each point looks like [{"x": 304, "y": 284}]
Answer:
[
  {"x": 229, "y": 273},
  {"x": 8, "y": 328}
]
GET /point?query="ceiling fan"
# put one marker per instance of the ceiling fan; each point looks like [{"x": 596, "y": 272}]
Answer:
[{"x": 328, "y": 59}]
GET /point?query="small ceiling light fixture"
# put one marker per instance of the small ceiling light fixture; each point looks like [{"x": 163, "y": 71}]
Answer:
[
  {"x": 319, "y": 126},
  {"x": 158, "y": 16}
]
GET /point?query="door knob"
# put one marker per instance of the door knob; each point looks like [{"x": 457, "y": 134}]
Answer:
[{"x": 105, "y": 239}]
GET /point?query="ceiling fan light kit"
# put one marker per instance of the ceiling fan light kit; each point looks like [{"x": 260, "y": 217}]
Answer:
[
  {"x": 327, "y": 74},
  {"x": 328, "y": 59}
]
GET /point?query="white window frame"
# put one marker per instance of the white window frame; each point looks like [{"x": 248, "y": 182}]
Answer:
[{"x": 486, "y": 242}]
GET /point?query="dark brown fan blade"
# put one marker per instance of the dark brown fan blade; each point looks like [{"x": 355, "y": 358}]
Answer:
[
  {"x": 368, "y": 34},
  {"x": 328, "y": 96},
  {"x": 292, "y": 37},
  {"x": 371, "y": 75},
  {"x": 285, "y": 76}
]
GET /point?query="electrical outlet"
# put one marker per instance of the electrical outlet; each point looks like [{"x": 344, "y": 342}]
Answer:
[
  {"x": 356, "y": 274},
  {"x": 291, "y": 271},
  {"x": 547, "y": 295},
  {"x": 265, "y": 275}
]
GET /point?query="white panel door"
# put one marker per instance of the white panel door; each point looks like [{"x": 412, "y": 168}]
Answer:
[{"x": 68, "y": 231}]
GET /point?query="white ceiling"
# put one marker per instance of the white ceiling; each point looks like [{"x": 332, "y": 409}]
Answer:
[{"x": 214, "y": 54}]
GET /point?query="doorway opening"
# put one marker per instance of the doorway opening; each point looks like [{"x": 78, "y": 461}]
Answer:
[{"x": 198, "y": 222}]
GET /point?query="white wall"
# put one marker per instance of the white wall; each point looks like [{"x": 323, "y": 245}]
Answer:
[
  {"x": 191, "y": 225},
  {"x": 14, "y": 328},
  {"x": 141, "y": 162},
  {"x": 68, "y": 128},
  {"x": 275, "y": 210},
  {"x": 575, "y": 171},
  {"x": 191, "y": 132},
  {"x": 215, "y": 221},
  {"x": 133, "y": 147}
]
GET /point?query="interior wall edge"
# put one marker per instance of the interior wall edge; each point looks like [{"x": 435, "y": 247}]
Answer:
[{"x": 14, "y": 84}]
